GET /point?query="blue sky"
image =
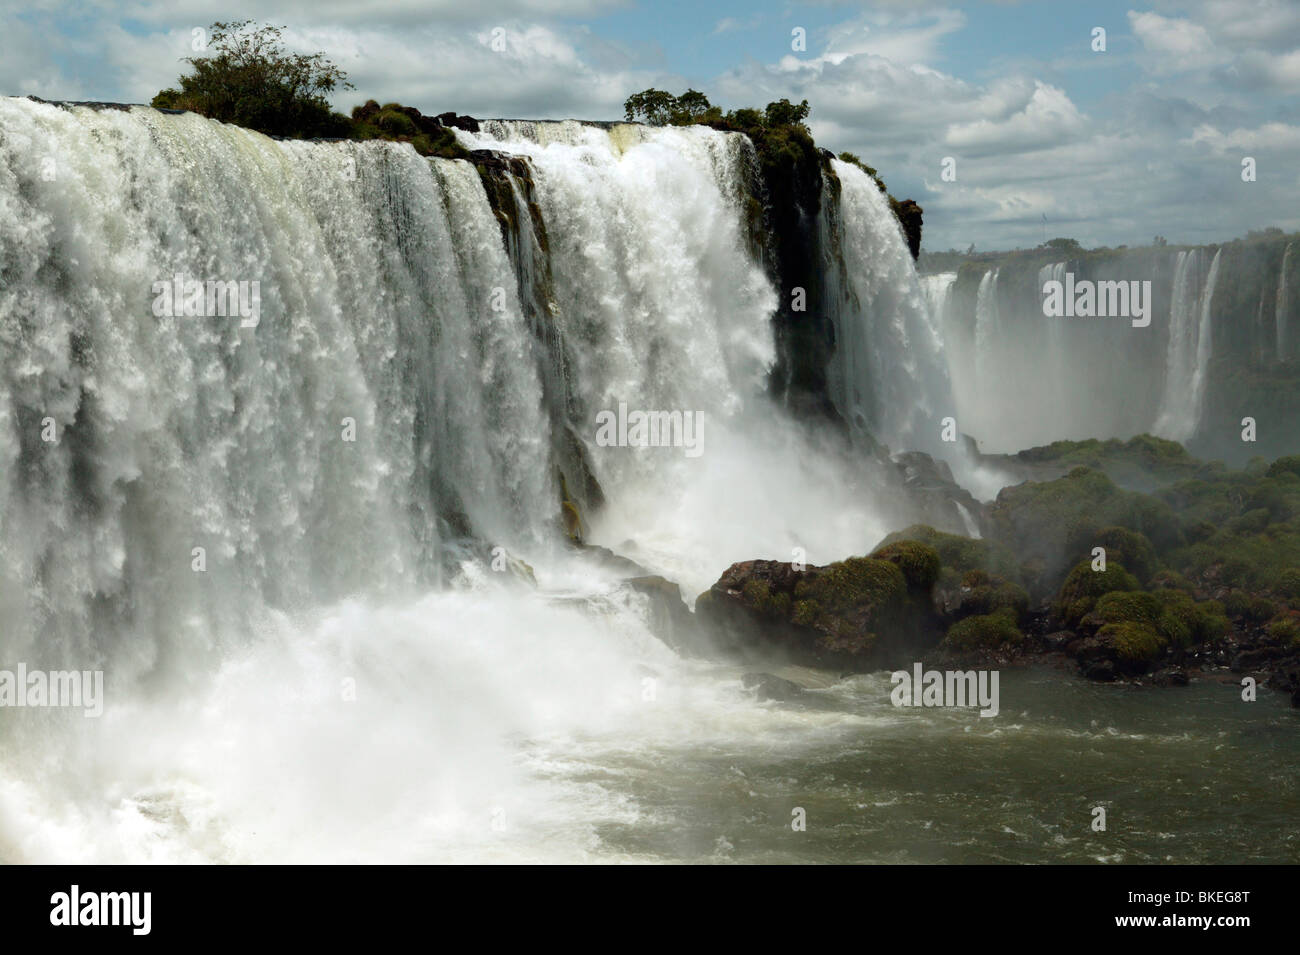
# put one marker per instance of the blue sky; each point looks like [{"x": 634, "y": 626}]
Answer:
[{"x": 1110, "y": 147}]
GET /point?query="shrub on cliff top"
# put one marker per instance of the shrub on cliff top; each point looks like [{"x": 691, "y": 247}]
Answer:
[
  {"x": 248, "y": 79},
  {"x": 406, "y": 124}
]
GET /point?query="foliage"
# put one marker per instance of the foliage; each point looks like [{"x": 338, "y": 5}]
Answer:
[
  {"x": 247, "y": 78},
  {"x": 984, "y": 631}
]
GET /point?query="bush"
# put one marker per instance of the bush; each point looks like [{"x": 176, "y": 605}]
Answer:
[
  {"x": 248, "y": 79},
  {"x": 1134, "y": 643},
  {"x": 785, "y": 113},
  {"x": 660, "y": 108},
  {"x": 1187, "y": 622},
  {"x": 1286, "y": 629},
  {"x": 1130, "y": 548},
  {"x": 1083, "y": 585},
  {"x": 961, "y": 554},
  {"x": 985, "y": 593},
  {"x": 918, "y": 562},
  {"x": 1133, "y": 606},
  {"x": 1288, "y": 583},
  {"x": 983, "y": 632}
]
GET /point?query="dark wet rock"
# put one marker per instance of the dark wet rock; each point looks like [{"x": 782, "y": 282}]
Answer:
[
  {"x": 909, "y": 216},
  {"x": 1102, "y": 671},
  {"x": 769, "y": 687},
  {"x": 1256, "y": 658},
  {"x": 857, "y": 614},
  {"x": 934, "y": 492},
  {"x": 669, "y": 617},
  {"x": 1169, "y": 676},
  {"x": 468, "y": 123},
  {"x": 1058, "y": 641},
  {"x": 606, "y": 558}
]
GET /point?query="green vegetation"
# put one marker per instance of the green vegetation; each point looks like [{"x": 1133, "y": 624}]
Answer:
[
  {"x": 1084, "y": 586},
  {"x": 248, "y": 79},
  {"x": 960, "y": 554},
  {"x": 984, "y": 593},
  {"x": 1051, "y": 524},
  {"x": 405, "y": 124},
  {"x": 858, "y": 592},
  {"x": 1285, "y": 629},
  {"x": 779, "y": 134},
  {"x": 758, "y": 593},
  {"x": 1143, "y": 461},
  {"x": 1133, "y": 642},
  {"x": 919, "y": 563},
  {"x": 983, "y": 632}
]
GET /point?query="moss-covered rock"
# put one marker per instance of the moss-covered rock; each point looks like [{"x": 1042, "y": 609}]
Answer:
[
  {"x": 844, "y": 614},
  {"x": 919, "y": 563},
  {"x": 1136, "y": 645},
  {"x": 1083, "y": 587},
  {"x": 405, "y": 124},
  {"x": 1285, "y": 628},
  {"x": 1043, "y": 523},
  {"x": 1288, "y": 583},
  {"x": 1130, "y": 548},
  {"x": 961, "y": 554},
  {"x": 850, "y": 600},
  {"x": 985, "y": 593},
  {"x": 983, "y": 632},
  {"x": 1187, "y": 622},
  {"x": 1126, "y": 606}
]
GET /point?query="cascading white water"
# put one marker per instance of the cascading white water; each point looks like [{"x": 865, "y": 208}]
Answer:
[
  {"x": 937, "y": 288},
  {"x": 986, "y": 321},
  {"x": 310, "y": 692},
  {"x": 1189, "y": 348},
  {"x": 889, "y": 374},
  {"x": 1282, "y": 309}
]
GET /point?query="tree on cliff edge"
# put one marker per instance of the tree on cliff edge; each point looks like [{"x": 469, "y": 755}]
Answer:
[{"x": 248, "y": 79}]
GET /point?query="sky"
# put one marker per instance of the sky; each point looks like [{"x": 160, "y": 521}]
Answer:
[{"x": 1047, "y": 135}]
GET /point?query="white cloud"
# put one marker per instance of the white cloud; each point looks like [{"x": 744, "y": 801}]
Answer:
[{"x": 1047, "y": 119}]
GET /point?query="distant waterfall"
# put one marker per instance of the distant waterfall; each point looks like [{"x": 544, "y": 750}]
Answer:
[
  {"x": 1282, "y": 310},
  {"x": 986, "y": 321},
  {"x": 1189, "y": 348},
  {"x": 938, "y": 296},
  {"x": 1054, "y": 326}
]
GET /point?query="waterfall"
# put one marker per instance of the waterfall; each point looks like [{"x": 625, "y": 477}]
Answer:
[
  {"x": 273, "y": 534},
  {"x": 938, "y": 296},
  {"x": 889, "y": 375},
  {"x": 1057, "y": 363},
  {"x": 1281, "y": 309},
  {"x": 1189, "y": 348},
  {"x": 986, "y": 322}
]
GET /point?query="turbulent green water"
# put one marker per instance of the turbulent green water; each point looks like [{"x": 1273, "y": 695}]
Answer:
[{"x": 1186, "y": 775}]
